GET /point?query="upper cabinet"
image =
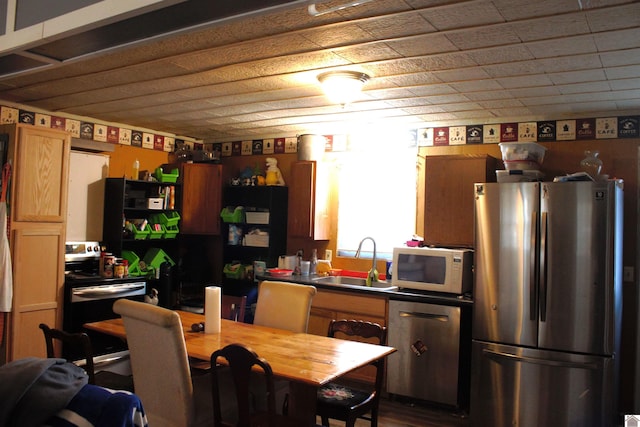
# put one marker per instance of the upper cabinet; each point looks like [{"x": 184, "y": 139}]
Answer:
[
  {"x": 201, "y": 198},
  {"x": 40, "y": 159},
  {"x": 445, "y": 213},
  {"x": 309, "y": 200}
]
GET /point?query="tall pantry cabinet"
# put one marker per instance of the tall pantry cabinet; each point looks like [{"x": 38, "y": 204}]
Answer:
[{"x": 38, "y": 211}]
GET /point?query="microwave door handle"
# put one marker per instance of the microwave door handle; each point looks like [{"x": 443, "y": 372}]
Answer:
[
  {"x": 431, "y": 316},
  {"x": 543, "y": 266},
  {"x": 533, "y": 300}
]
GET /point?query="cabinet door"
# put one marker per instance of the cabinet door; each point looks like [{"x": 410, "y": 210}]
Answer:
[
  {"x": 448, "y": 200},
  {"x": 309, "y": 201},
  {"x": 201, "y": 198},
  {"x": 38, "y": 284},
  {"x": 40, "y": 174}
]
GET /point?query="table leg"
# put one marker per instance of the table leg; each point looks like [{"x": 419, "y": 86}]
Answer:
[{"x": 302, "y": 402}]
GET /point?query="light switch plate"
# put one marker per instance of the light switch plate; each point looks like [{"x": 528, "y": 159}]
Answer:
[
  {"x": 627, "y": 274},
  {"x": 328, "y": 254}
]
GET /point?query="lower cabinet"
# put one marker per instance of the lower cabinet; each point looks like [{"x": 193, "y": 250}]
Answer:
[{"x": 329, "y": 305}]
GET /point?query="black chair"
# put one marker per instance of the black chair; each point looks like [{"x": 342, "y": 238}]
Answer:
[
  {"x": 82, "y": 344},
  {"x": 349, "y": 402},
  {"x": 240, "y": 361}
]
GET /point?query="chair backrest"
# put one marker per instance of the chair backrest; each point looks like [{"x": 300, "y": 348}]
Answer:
[
  {"x": 159, "y": 362},
  {"x": 232, "y": 307},
  {"x": 369, "y": 332},
  {"x": 79, "y": 342},
  {"x": 284, "y": 305},
  {"x": 241, "y": 360}
]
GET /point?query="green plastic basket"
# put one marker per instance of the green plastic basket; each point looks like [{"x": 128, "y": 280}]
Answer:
[
  {"x": 170, "y": 232},
  {"x": 134, "y": 260}
]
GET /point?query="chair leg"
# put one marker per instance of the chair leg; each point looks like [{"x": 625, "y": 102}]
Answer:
[{"x": 325, "y": 421}]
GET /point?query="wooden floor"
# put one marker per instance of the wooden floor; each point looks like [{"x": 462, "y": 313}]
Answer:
[{"x": 405, "y": 414}]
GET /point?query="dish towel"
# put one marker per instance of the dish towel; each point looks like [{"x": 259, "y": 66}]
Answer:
[{"x": 6, "y": 277}]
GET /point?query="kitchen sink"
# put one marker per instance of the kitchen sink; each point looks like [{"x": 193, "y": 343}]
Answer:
[{"x": 354, "y": 281}]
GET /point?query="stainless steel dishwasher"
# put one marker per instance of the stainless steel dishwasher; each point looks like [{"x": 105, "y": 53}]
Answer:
[{"x": 431, "y": 350}]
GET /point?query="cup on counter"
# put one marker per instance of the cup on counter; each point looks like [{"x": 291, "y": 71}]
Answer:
[{"x": 304, "y": 267}]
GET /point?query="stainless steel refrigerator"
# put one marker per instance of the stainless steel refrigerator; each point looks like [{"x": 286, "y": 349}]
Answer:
[{"x": 547, "y": 304}]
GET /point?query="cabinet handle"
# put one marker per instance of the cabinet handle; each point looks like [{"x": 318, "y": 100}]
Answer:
[{"x": 431, "y": 316}]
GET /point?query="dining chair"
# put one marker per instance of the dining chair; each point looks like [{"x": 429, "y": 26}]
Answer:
[
  {"x": 171, "y": 397},
  {"x": 240, "y": 362},
  {"x": 349, "y": 402},
  {"x": 284, "y": 305},
  {"x": 80, "y": 343},
  {"x": 233, "y": 307}
]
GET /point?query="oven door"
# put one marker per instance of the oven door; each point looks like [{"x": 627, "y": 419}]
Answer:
[{"x": 92, "y": 302}]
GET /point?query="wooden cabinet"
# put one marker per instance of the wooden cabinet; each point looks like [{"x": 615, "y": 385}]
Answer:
[
  {"x": 309, "y": 200},
  {"x": 445, "y": 214},
  {"x": 201, "y": 198},
  {"x": 38, "y": 200},
  {"x": 330, "y": 305}
]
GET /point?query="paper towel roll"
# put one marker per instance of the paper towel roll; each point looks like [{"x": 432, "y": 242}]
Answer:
[{"x": 212, "y": 300}]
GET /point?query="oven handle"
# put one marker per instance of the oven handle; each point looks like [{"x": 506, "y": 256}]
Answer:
[{"x": 102, "y": 291}]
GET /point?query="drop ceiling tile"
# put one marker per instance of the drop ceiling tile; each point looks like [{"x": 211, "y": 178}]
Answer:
[
  {"x": 500, "y": 103},
  {"x": 396, "y": 25},
  {"x": 584, "y": 87},
  {"x": 563, "y": 47},
  {"x": 577, "y": 77},
  {"x": 424, "y": 109},
  {"x": 623, "y": 16},
  {"x": 464, "y": 14},
  {"x": 513, "y": 69},
  {"x": 513, "y": 10},
  {"x": 476, "y": 86},
  {"x": 422, "y": 45},
  {"x": 464, "y": 106},
  {"x": 626, "y": 84},
  {"x": 414, "y": 79},
  {"x": 532, "y": 92},
  {"x": 576, "y": 62},
  {"x": 462, "y": 74},
  {"x": 625, "y": 72},
  {"x": 367, "y": 52},
  {"x": 490, "y": 95},
  {"x": 500, "y": 55},
  {"x": 525, "y": 81},
  {"x": 552, "y": 27},
  {"x": 338, "y": 35},
  {"x": 616, "y": 40},
  {"x": 435, "y": 89},
  {"x": 480, "y": 37},
  {"x": 622, "y": 57}
]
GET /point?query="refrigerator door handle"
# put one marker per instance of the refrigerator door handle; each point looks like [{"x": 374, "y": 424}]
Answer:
[
  {"x": 533, "y": 300},
  {"x": 543, "y": 266},
  {"x": 534, "y": 360},
  {"x": 438, "y": 317}
]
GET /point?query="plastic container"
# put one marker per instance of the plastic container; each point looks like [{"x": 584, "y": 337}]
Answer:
[
  {"x": 168, "y": 219},
  {"x": 155, "y": 234},
  {"x": 170, "y": 232},
  {"x": 231, "y": 214},
  {"x": 167, "y": 177},
  {"x": 135, "y": 170},
  {"x": 522, "y": 155},
  {"x": 141, "y": 234},
  {"x": 155, "y": 257},
  {"x": 134, "y": 260},
  {"x": 253, "y": 217},
  {"x": 233, "y": 271}
]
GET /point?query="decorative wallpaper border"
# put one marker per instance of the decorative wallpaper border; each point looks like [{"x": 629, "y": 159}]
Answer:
[
  {"x": 534, "y": 131},
  {"x": 95, "y": 131},
  {"x": 541, "y": 131}
]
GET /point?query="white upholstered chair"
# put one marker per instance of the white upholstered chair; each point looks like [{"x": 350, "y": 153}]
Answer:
[
  {"x": 161, "y": 367},
  {"x": 284, "y": 305}
]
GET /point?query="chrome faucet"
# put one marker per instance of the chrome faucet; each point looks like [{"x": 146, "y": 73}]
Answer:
[{"x": 372, "y": 275}]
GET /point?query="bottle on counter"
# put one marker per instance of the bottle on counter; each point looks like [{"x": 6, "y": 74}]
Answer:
[{"x": 313, "y": 267}]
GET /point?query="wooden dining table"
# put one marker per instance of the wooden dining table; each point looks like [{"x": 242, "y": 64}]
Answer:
[{"x": 307, "y": 361}]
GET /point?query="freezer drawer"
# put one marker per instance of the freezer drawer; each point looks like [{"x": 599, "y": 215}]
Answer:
[
  {"x": 426, "y": 365},
  {"x": 516, "y": 386}
]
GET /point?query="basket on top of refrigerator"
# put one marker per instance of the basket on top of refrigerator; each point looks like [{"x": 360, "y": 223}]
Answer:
[{"x": 522, "y": 155}]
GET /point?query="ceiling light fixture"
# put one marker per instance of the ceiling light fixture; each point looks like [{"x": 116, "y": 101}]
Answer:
[{"x": 342, "y": 87}]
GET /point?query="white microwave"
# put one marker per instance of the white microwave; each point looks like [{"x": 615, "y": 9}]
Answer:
[{"x": 433, "y": 269}]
